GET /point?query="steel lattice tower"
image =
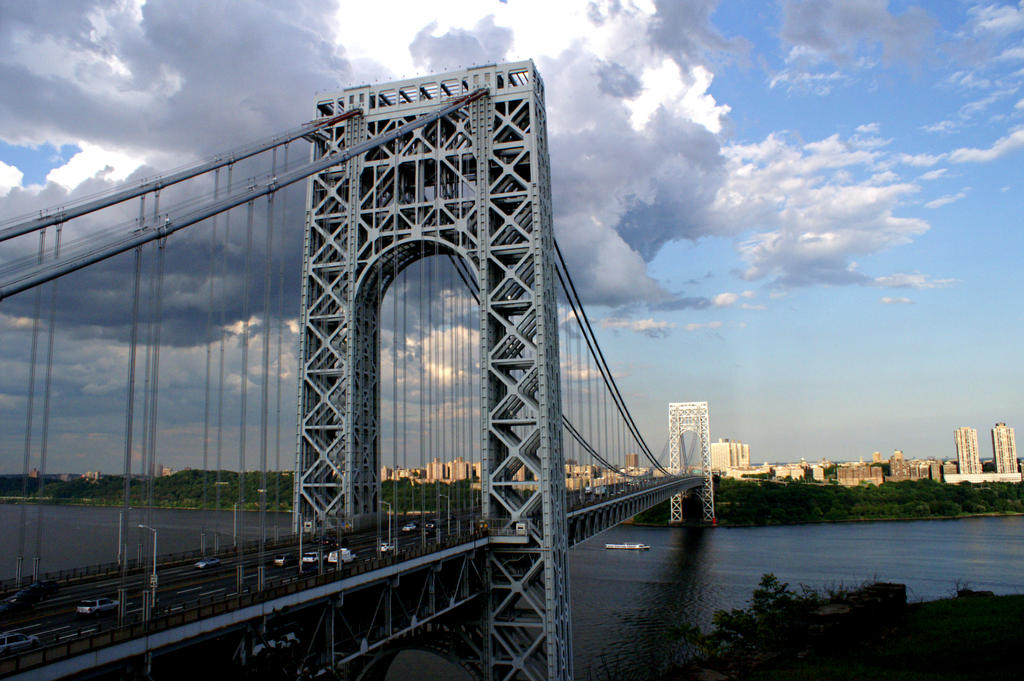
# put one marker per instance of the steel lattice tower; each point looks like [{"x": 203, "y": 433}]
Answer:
[
  {"x": 474, "y": 185},
  {"x": 691, "y": 417}
]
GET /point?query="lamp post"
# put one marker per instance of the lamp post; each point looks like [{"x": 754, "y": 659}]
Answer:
[
  {"x": 216, "y": 533},
  {"x": 152, "y": 577},
  {"x": 390, "y": 514}
]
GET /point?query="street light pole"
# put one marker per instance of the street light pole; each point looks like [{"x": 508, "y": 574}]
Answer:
[
  {"x": 152, "y": 577},
  {"x": 390, "y": 514}
]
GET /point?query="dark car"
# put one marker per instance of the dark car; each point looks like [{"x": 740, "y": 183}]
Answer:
[
  {"x": 14, "y": 605},
  {"x": 29, "y": 595},
  {"x": 43, "y": 589}
]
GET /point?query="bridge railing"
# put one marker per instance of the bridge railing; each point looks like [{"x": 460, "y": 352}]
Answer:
[{"x": 88, "y": 639}]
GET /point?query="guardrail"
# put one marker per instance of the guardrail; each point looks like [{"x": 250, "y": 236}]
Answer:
[{"x": 200, "y": 608}]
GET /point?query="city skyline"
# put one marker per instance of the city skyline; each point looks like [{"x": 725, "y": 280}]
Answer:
[{"x": 783, "y": 205}]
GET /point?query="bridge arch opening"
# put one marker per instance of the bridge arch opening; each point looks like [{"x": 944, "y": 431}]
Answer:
[{"x": 420, "y": 441}]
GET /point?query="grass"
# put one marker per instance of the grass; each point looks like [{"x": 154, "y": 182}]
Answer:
[{"x": 969, "y": 639}]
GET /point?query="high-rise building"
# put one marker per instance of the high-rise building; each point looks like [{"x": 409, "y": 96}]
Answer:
[
  {"x": 898, "y": 466},
  {"x": 632, "y": 461},
  {"x": 966, "y": 440},
  {"x": 1004, "y": 449},
  {"x": 726, "y": 454}
]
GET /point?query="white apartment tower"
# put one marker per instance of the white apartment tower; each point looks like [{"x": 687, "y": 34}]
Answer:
[
  {"x": 966, "y": 439},
  {"x": 726, "y": 454},
  {"x": 1004, "y": 449}
]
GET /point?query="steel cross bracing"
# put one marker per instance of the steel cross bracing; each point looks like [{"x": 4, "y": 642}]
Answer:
[
  {"x": 691, "y": 417},
  {"x": 474, "y": 185}
]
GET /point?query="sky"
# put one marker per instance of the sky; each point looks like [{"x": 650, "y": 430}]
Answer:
[{"x": 805, "y": 212}]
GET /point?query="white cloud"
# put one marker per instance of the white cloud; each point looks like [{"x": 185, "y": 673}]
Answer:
[
  {"x": 724, "y": 299},
  {"x": 647, "y": 327},
  {"x": 997, "y": 19},
  {"x": 809, "y": 213},
  {"x": 703, "y": 325},
  {"x": 748, "y": 294},
  {"x": 895, "y": 301},
  {"x": 920, "y": 160},
  {"x": 1011, "y": 54},
  {"x": 943, "y": 200},
  {"x": 941, "y": 126},
  {"x": 795, "y": 80},
  {"x": 91, "y": 161},
  {"x": 10, "y": 177},
  {"x": 915, "y": 280},
  {"x": 869, "y": 128},
  {"x": 1001, "y": 147},
  {"x": 934, "y": 174},
  {"x": 749, "y": 306},
  {"x": 664, "y": 85}
]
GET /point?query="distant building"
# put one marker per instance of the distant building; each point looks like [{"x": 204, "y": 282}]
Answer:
[
  {"x": 166, "y": 471},
  {"x": 792, "y": 471},
  {"x": 966, "y": 440},
  {"x": 876, "y": 457},
  {"x": 726, "y": 454},
  {"x": 898, "y": 466},
  {"x": 1004, "y": 449},
  {"x": 632, "y": 461},
  {"x": 852, "y": 475},
  {"x": 34, "y": 473},
  {"x": 975, "y": 478}
]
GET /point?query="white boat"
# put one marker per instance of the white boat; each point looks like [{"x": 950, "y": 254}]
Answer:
[{"x": 634, "y": 547}]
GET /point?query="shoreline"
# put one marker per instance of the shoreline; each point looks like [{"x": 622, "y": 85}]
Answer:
[
  {"x": 963, "y": 516},
  {"x": 16, "y": 501}
]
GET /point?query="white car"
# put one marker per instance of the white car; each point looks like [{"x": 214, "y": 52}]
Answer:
[
  {"x": 310, "y": 557},
  {"x": 96, "y": 606},
  {"x": 340, "y": 556},
  {"x": 282, "y": 559},
  {"x": 387, "y": 547},
  {"x": 11, "y": 642},
  {"x": 208, "y": 562}
]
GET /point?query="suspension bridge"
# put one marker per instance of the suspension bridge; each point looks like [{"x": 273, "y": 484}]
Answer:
[{"x": 458, "y": 427}]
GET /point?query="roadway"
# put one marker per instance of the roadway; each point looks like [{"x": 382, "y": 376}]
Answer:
[{"x": 54, "y": 619}]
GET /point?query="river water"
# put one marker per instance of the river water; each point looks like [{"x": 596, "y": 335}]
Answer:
[{"x": 623, "y": 601}]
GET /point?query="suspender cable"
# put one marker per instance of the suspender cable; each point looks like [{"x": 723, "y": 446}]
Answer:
[
  {"x": 44, "y": 446},
  {"x": 265, "y": 384},
  {"x": 280, "y": 334},
  {"x": 570, "y": 289},
  {"x": 28, "y": 416},
  {"x": 122, "y": 538},
  {"x": 209, "y": 358},
  {"x": 145, "y": 493},
  {"x": 220, "y": 366},
  {"x": 422, "y": 386},
  {"x": 243, "y": 398},
  {"x": 155, "y": 382}
]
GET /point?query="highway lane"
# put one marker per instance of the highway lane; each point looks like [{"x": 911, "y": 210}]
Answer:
[{"x": 180, "y": 586}]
